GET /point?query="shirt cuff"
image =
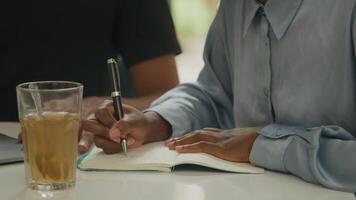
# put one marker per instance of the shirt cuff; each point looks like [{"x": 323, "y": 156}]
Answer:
[
  {"x": 180, "y": 123},
  {"x": 270, "y": 146}
]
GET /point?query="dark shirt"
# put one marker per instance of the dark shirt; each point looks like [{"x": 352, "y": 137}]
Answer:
[{"x": 71, "y": 40}]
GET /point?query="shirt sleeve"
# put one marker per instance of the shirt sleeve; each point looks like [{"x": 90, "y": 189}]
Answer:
[
  {"x": 144, "y": 30},
  {"x": 208, "y": 101},
  {"x": 324, "y": 155},
  {"x": 354, "y": 28}
]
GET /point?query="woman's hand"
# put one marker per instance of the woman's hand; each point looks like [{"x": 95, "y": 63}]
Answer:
[
  {"x": 89, "y": 106},
  {"x": 233, "y": 145},
  {"x": 137, "y": 127}
]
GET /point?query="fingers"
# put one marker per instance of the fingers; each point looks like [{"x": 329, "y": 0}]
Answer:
[
  {"x": 119, "y": 130},
  {"x": 108, "y": 146},
  {"x": 105, "y": 116},
  {"x": 233, "y": 145},
  {"x": 212, "y": 129},
  {"x": 128, "y": 109},
  {"x": 194, "y": 137},
  {"x": 202, "y": 147},
  {"x": 19, "y": 138},
  {"x": 85, "y": 142},
  {"x": 96, "y": 128}
]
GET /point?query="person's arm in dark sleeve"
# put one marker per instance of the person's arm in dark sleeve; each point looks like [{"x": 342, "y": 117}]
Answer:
[
  {"x": 145, "y": 30},
  {"x": 146, "y": 38}
]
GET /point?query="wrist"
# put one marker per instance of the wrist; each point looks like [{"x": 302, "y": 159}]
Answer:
[
  {"x": 159, "y": 129},
  {"x": 251, "y": 138}
]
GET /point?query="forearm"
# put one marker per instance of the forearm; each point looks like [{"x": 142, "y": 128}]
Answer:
[
  {"x": 141, "y": 102},
  {"x": 159, "y": 129},
  {"x": 192, "y": 106},
  {"x": 147, "y": 82},
  {"x": 92, "y": 103}
]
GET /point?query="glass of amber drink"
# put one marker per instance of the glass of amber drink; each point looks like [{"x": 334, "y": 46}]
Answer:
[{"x": 50, "y": 114}]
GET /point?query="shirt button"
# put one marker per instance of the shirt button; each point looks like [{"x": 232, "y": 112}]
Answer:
[{"x": 261, "y": 11}]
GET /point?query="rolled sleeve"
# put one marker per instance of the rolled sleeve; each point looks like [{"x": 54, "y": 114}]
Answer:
[
  {"x": 354, "y": 29},
  {"x": 317, "y": 155},
  {"x": 269, "y": 152},
  {"x": 178, "y": 120}
]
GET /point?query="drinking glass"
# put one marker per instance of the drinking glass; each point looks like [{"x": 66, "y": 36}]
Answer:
[{"x": 50, "y": 114}]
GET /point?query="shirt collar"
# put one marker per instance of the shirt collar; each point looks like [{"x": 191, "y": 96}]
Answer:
[{"x": 279, "y": 13}]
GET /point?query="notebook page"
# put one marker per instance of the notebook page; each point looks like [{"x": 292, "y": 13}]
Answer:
[
  {"x": 153, "y": 156},
  {"x": 216, "y": 163}
]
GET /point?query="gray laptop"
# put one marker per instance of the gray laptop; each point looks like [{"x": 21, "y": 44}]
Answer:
[{"x": 10, "y": 150}]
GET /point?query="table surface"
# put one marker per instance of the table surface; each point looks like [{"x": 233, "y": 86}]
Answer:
[{"x": 183, "y": 184}]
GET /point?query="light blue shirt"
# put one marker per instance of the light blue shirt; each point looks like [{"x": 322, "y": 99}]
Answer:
[{"x": 289, "y": 66}]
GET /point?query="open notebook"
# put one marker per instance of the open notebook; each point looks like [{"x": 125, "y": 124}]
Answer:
[{"x": 157, "y": 157}]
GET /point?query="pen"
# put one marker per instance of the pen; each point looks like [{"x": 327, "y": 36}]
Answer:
[{"x": 116, "y": 93}]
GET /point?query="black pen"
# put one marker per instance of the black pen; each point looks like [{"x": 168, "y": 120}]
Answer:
[{"x": 116, "y": 93}]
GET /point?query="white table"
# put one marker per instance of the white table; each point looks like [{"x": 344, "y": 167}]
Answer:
[{"x": 179, "y": 185}]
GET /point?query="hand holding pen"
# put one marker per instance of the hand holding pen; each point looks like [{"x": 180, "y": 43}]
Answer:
[
  {"x": 110, "y": 127},
  {"x": 116, "y": 94}
]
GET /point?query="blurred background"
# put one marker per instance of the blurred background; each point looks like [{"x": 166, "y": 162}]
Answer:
[{"x": 192, "y": 19}]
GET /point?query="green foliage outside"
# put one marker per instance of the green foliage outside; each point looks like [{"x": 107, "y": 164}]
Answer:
[{"x": 192, "y": 18}]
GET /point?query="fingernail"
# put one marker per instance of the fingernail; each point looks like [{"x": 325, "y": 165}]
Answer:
[
  {"x": 114, "y": 134},
  {"x": 178, "y": 148},
  {"x": 83, "y": 143},
  {"x": 169, "y": 140},
  {"x": 82, "y": 148},
  {"x": 130, "y": 141},
  {"x": 171, "y": 145}
]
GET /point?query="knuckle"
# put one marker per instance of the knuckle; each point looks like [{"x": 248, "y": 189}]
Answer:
[
  {"x": 202, "y": 145},
  {"x": 222, "y": 150},
  {"x": 91, "y": 117},
  {"x": 104, "y": 132},
  {"x": 121, "y": 124},
  {"x": 190, "y": 134},
  {"x": 106, "y": 110},
  {"x": 87, "y": 126},
  {"x": 108, "y": 151},
  {"x": 196, "y": 131},
  {"x": 98, "y": 142},
  {"x": 198, "y": 134},
  {"x": 88, "y": 136},
  {"x": 99, "y": 113},
  {"x": 105, "y": 103},
  {"x": 204, "y": 135},
  {"x": 221, "y": 146}
]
